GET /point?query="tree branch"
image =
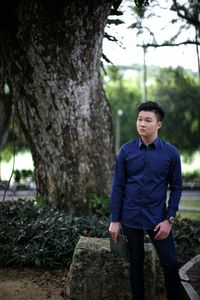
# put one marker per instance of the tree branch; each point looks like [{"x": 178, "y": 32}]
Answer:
[
  {"x": 168, "y": 44},
  {"x": 186, "y": 16}
]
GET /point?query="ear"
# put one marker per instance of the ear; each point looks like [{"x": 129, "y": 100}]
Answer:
[{"x": 159, "y": 125}]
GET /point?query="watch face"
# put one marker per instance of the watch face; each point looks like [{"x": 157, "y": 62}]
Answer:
[{"x": 171, "y": 220}]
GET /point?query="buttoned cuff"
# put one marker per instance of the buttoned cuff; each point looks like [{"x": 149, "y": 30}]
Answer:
[
  {"x": 171, "y": 212},
  {"x": 115, "y": 218}
]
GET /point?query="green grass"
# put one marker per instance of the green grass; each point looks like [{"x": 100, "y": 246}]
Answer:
[
  {"x": 189, "y": 214},
  {"x": 191, "y": 203}
]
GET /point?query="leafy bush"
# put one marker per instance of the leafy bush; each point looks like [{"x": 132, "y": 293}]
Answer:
[
  {"x": 187, "y": 238},
  {"x": 42, "y": 236},
  {"x": 32, "y": 235},
  {"x": 23, "y": 175},
  {"x": 99, "y": 205},
  {"x": 192, "y": 177}
]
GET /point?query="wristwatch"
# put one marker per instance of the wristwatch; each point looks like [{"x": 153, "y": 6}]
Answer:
[{"x": 171, "y": 220}]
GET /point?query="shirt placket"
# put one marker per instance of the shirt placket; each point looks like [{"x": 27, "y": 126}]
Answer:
[{"x": 145, "y": 189}]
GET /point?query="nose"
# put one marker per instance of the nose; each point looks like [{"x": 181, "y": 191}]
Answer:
[{"x": 142, "y": 123}]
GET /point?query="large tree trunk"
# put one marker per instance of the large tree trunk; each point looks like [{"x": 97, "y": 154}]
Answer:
[{"x": 53, "y": 52}]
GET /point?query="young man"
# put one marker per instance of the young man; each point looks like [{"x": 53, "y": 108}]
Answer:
[{"x": 144, "y": 169}]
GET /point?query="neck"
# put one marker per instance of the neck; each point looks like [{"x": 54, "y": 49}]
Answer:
[{"x": 148, "y": 140}]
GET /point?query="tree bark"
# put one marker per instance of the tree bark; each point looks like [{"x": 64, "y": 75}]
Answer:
[
  {"x": 53, "y": 52},
  {"x": 5, "y": 119}
]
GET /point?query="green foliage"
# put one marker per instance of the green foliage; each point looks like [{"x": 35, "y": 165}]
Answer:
[
  {"x": 123, "y": 93},
  {"x": 99, "y": 205},
  {"x": 192, "y": 177},
  {"x": 189, "y": 215},
  {"x": 16, "y": 140},
  {"x": 23, "y": 175},
  {"x": 42, "y": 236},
  {"x": 7, "y": 152},
  {"x": 46, "y": 237},
  {"x": 179, "y": 94},
  {"x": 176, "y": 90},
  {"x": 186, "y": 234},
  {"x": 40, "y": 201}
]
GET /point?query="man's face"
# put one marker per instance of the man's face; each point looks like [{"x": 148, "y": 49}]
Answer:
[{"x": 147, "y": 124}]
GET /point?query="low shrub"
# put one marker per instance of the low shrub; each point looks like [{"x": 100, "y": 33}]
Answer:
[
  {"x": 186, "y": 234},
  {"x": 43, "y": 236},
  {"x": 99, "y": 205}
]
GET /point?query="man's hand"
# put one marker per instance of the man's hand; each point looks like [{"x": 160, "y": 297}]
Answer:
[
  {"x": 163, "y": 229},
  {"x": 114, "y": 230}
]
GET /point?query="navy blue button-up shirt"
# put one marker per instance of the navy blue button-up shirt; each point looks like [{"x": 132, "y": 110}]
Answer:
[{"x": 140, "y": 183}]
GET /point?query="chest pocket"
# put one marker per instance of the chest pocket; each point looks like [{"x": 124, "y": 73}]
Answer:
[
  {"x": 160, "y": 166},
  {"x": 135, "y": 164}
]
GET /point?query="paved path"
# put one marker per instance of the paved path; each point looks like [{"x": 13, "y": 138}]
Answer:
[
  {"x": 19, "y": 194},
  {"x": 189, "y": 208},
  {"x": 191, "y": 195}
]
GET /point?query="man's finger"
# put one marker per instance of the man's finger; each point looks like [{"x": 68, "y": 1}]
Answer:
[
  {"x": 158, "y": 235},
  {"x": 114, "y": 236},
  {"x": 156, "y": 228}
]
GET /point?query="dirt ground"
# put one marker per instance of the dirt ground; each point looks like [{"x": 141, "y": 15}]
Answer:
[{"x": 32, "y": 284}]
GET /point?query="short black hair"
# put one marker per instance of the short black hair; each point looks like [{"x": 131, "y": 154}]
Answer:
[{"x": 152, "y": 106}]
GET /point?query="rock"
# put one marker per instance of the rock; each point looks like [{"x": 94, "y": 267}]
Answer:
[{"x": 98, "y": 274}]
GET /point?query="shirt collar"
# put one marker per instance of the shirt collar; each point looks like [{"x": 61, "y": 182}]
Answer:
[{"x": 154, "y": 144}]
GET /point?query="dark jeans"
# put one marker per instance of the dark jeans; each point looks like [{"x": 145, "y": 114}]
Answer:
[{"x": 168, "y": 260}]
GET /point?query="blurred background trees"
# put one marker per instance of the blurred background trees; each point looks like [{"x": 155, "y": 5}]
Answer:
[
  {"x": 176, "y": 89},
  {"x": 179, "y": 93}
]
